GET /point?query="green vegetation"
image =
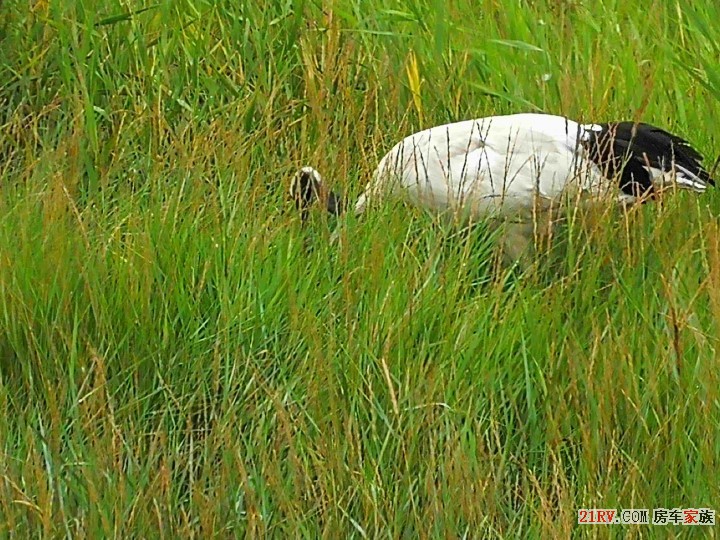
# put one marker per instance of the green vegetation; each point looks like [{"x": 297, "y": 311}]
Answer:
[{"x": 178, "y": 356}]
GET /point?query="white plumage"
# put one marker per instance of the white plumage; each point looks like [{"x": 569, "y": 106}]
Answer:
[{"x": 501, "y": 164}]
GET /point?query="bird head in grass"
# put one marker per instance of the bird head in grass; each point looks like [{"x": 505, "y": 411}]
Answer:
[{"x": 306, "y": 187}]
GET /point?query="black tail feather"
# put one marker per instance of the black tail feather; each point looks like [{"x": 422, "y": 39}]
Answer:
[{"x": 629, "y": 150}]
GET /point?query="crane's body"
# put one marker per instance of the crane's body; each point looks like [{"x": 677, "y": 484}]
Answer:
[{"x": 488, "y": 166}]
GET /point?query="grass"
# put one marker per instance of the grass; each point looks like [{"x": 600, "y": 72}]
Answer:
[{"x": 179, "y": 357}]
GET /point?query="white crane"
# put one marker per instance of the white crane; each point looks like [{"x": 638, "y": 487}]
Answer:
[{"x": 520, "y": 168}]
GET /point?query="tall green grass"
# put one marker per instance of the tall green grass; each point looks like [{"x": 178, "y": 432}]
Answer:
[{"x": 179, "y": 357}]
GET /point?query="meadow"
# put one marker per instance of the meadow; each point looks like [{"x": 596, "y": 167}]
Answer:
[{"x": 181, "y": 357}]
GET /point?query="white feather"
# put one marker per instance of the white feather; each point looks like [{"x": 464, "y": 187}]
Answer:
[
  {"x": 679, "y": 176},
  {"x": 497, "y": 165}
]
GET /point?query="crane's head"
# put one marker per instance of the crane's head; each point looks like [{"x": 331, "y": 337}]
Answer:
[{"x": 305, "y": 188}]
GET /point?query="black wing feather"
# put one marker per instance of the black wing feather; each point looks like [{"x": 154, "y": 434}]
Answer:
[{"x": 625, "y": 149}]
